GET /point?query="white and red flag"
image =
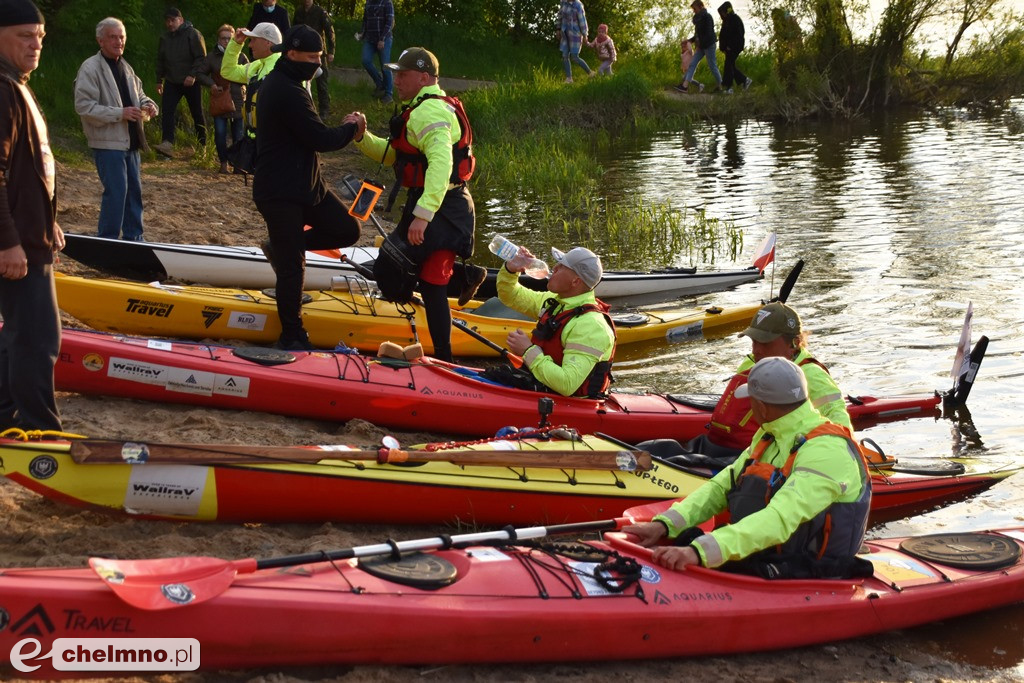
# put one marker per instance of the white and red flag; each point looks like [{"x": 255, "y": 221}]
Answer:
[
  {"x": 765, "y": 252},
  {"x": 963, "y": 349}
]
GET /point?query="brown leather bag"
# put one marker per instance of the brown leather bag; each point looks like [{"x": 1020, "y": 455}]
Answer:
[{"x": 221, "y": 104}]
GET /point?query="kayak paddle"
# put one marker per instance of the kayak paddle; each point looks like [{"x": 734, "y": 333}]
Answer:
[
  {"x": 93, "y": 451},
  {"x": 789, "y": 282},
  {"x": 172, "y": 582},
  {"x": 516, "y": 361}
]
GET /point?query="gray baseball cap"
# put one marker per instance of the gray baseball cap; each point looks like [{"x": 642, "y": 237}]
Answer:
[
  {"x": 581, "y": 261},
  {"x": 772, "y": 321},
  {"x": 775, "y": 380}
]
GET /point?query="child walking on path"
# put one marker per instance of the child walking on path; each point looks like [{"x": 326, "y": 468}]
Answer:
[
  {"x": 686, "y": 56},
  {"x": 605, "y": 48}
]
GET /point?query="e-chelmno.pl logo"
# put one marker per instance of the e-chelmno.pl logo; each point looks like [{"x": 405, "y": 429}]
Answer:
[{"x": 109, "y": 654}]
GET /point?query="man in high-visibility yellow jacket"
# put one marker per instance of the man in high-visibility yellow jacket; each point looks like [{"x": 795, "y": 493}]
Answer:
[
  {"x": 571, "y": 349},
  {"x": 798, "y": 497},
  {"x": 430, "y": 147}
]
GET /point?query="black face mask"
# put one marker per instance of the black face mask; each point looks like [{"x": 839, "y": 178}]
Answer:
[{"x": 300, "y": 71}]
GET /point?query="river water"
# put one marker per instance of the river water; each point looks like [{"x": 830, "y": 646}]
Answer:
[{"x": 901, "y": 220}]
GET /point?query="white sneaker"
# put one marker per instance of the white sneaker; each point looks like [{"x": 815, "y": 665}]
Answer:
[
  {"x": 747, "y": 84},
  {"x": 568, "y": 80},
  {"x": 700, "y": 86},
  {"x": 729, "y": 91}
]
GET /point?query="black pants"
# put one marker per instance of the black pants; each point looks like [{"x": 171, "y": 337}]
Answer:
[
  {"x": 332, "y": 228},
  {"x": 193, "y": 94},
  {"x": 730, "y": 73},
  {"x": 29, "y": 344},
  {"x": 323, "y": 94},
  {"x": 452, "y": 228}
]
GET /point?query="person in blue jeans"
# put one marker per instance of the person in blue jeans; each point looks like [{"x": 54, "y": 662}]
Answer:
[
  {"x": 572, "y": 33},
  {"x": 378, "y": 20},
  {"x": 704, "y": 35},
  {"x": 110, "y": 101}
]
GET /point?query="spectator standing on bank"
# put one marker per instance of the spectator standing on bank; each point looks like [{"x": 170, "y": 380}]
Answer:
[
  {"x": 704, "y": 36},
  {"x": 378, "y": 22},
  {"x": 113, "y": 107},
  {"x": 572, "y": 33},
  {"x": 268, "y": 11},
  {"x": 29, "y": 234},
  {"x": 318, "y": 19},
  {"x": 262, "y": 40},
  {"x": 226, "y": 98},
  {"x": 179, "y": 57},
  {"x": 731, "y": 41}
]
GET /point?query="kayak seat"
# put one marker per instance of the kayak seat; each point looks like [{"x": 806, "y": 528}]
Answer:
[
  {"x": 272, "y": 293},
  {"x": 262, "y": 355},
  {"x": 629, "y": 319},
  {"x": 972, "y": 551},
  {"x": 493, "y": 308},
  {"x": 421, "y": 570},
  {"x": 698, "y": 452},
  {"x": 700, "y": 401}
]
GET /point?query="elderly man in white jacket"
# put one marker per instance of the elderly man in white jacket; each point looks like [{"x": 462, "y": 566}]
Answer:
[{"x": 113, "y": 108}]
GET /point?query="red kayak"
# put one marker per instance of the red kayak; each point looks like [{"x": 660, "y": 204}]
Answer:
[
  {"x": 425, "y": 394},
  {"x": 490, "y": 601}
]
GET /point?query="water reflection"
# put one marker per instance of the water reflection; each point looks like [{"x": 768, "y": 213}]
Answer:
[{"x": 902, "y": 220}]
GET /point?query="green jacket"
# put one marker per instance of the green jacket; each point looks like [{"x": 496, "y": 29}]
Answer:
[
  {"x": 824, "y": 472},
  {"x": 180, "y": 54},
  {"x": 586, "y": 339},
  {"x": 432, "y": 129},
  {"x": 823, "y": 391}
]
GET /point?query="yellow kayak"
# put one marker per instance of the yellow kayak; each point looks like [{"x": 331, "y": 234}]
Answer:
[{"x": 357, "y": 319}]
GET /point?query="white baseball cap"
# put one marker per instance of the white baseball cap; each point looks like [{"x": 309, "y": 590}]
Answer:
[{"x": 266, "y": 31}]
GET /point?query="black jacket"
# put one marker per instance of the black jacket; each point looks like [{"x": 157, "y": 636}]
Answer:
[
  {"x": 279, "y": 17},
  {"x": 704, "y": 29},
  {"x": 318, "y": 19},
  {"x": 731, "y": 38},
  {"x": 290, "y": 139}
]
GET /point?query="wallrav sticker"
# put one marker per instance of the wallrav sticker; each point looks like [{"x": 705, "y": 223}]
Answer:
[
  {"x": 137, "y": 371},
  {"x": 93, "y": 362},
  {"x": 165, "y": 490}
]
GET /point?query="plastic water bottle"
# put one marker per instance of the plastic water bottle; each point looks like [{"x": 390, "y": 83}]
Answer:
[{"x": 506, "y": 251}]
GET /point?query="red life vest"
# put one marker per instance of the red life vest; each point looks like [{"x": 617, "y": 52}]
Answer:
[
  {"x": 548, "y": 336},
  {"x": 411, "y": 163},
  {"x": 732, "y": 421}
]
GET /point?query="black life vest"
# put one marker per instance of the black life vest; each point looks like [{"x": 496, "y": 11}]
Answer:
[
  {"x": 548, "y": 336},
  {"x": 825, "y": 545},
  {"x": 411, "y": 163}
]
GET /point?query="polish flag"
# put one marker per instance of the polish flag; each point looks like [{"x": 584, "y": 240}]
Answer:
[
  {"x": 765, "y": 252},
  {"x": 961, "y": 364}
]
